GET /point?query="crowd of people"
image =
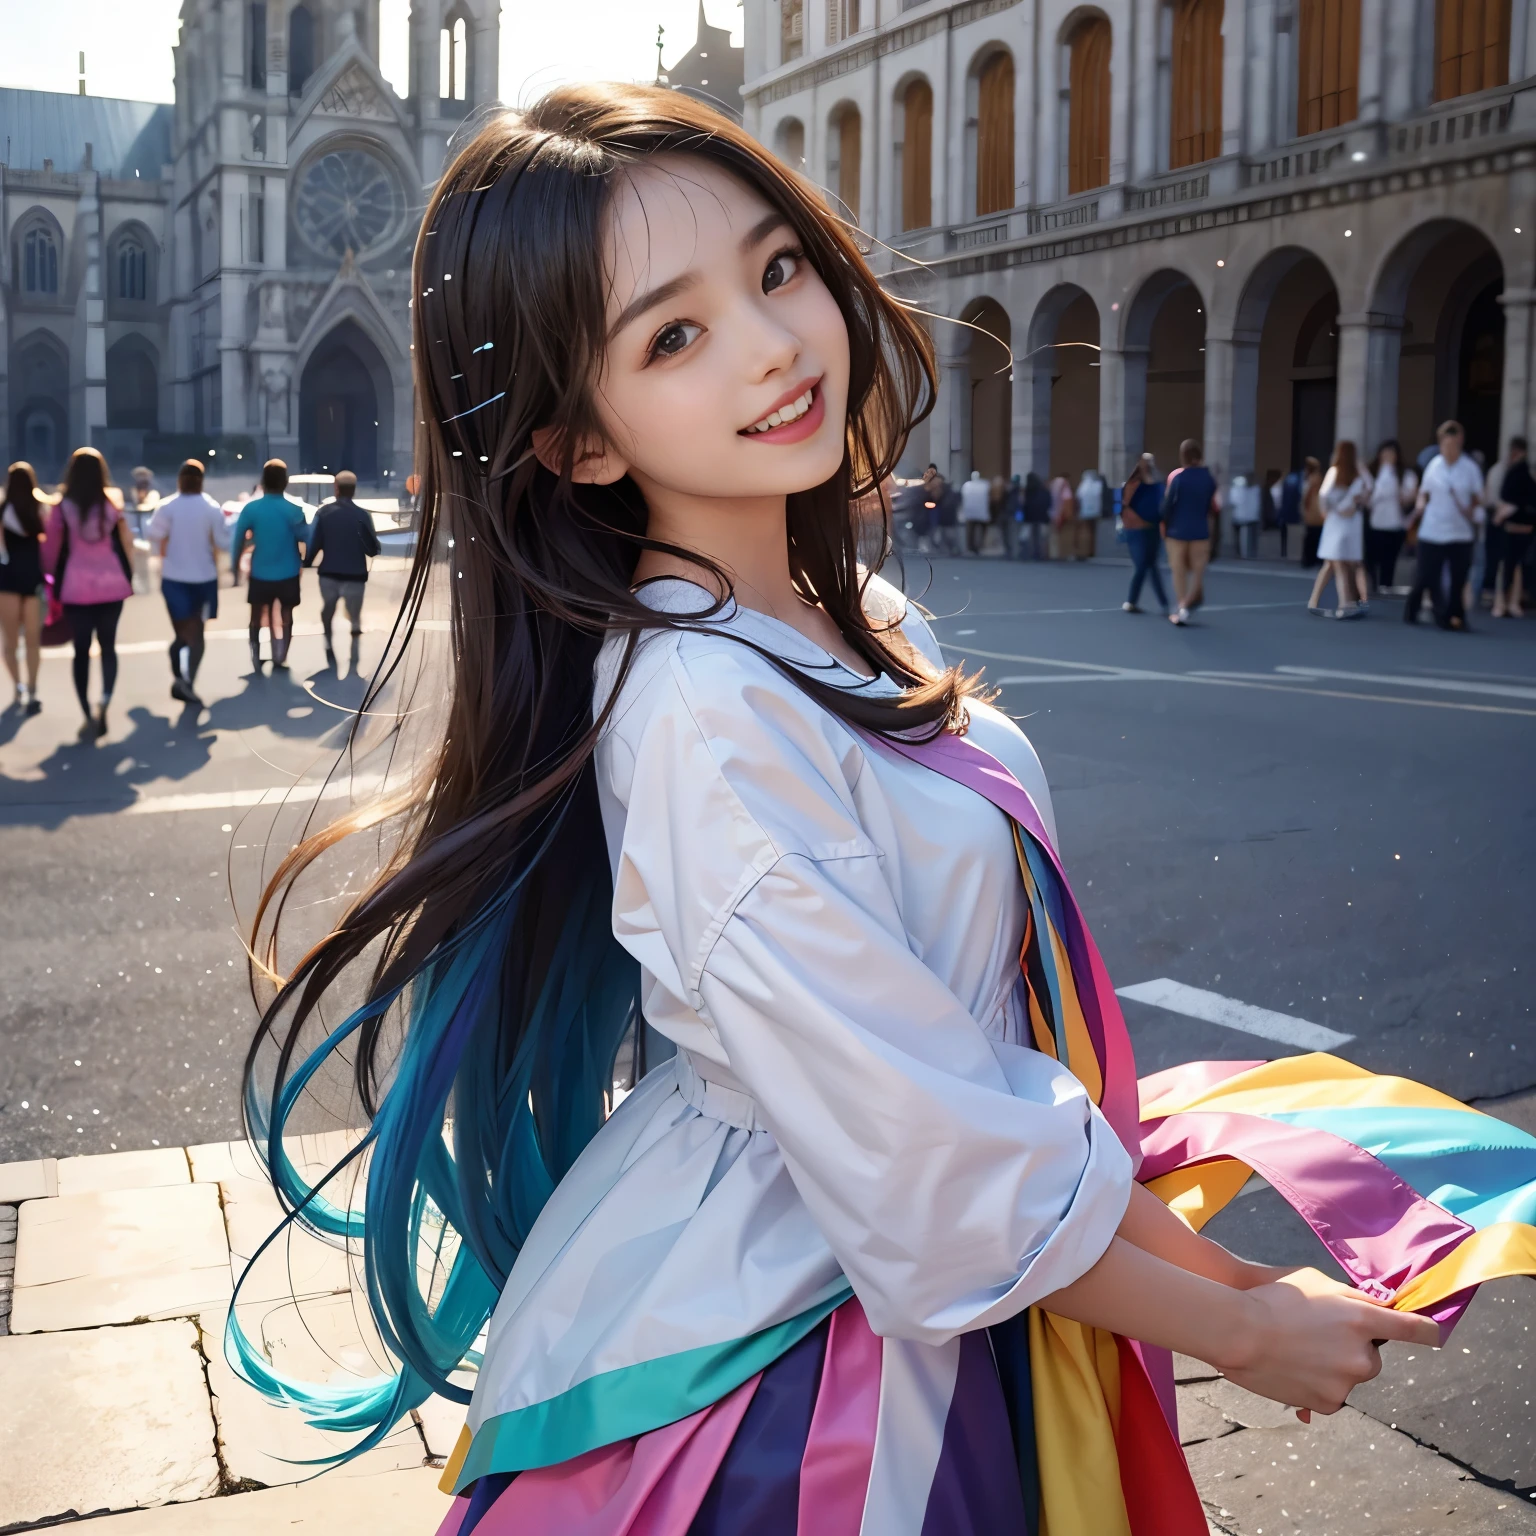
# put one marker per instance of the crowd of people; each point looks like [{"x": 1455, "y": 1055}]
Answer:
[
  {"x": 69, "y": 561},
  {"x": 1470, "y": 535}
]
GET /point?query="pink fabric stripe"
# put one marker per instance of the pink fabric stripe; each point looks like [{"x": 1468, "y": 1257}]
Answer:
[
  {"x": 648, "y": 1486},
  {"x": 1157, "y": 1362},
  {"x": 1374, "y": 1224},
  {"x": 840, "y": 1449},
  {"x": 455, "y": 1516},
  {"x": 1191, "y": 1077},
  {"x": 960, "y": 759}
]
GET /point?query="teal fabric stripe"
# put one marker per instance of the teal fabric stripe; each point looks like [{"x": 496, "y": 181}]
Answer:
[
  {"x": 1478, "y": 1168},
  {"x": 631, "y": 1401},
  {"x": 1043, "y": 925}
]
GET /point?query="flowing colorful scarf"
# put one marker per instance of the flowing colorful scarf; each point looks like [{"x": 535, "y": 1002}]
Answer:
[{"x": 1418, "y": 1197}]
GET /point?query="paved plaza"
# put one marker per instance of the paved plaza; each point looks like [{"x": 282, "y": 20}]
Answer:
[{"x": 1285, "y": 833}]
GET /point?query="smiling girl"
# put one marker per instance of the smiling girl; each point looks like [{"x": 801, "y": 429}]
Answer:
[{"x": 864, "y": 1255}]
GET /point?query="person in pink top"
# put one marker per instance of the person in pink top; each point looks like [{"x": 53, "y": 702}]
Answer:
[{"x": 88, "y": 552}]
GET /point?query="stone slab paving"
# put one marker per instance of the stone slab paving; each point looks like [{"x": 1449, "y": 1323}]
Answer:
[
  {"x": 153, "y": 1168},
  {"x": 106, "y": 1418},
  {"x": 7, "y": 1264},
  {"x": 384, "y": 1504},
  {"x": 84, "y": 1261}
]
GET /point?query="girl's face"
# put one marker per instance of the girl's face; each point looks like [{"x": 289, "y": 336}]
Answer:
[
  {"x": 726, "y": 374},
  {"x": 1388, "y": 456}
]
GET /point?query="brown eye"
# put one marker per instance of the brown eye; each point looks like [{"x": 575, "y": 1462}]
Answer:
[
  {"x": 781, "y": 269},
  {"x": 675, "y": 338}
]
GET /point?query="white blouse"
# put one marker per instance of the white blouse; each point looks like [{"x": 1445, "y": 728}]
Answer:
[{"x": 830, "y": 934}]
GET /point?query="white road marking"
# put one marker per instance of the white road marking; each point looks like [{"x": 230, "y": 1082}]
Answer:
[
  {"x": 1510, "y": 690},
  {"x": 1213, "y": 1008},
  {"x": 234, "y": 799}
]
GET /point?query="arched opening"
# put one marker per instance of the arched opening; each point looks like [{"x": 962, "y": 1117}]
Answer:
[
  {"x": 1443, "y": 285},
  {"x": 1086, "y": 106},
  {"x": 453, "y": 60},
  {"x": 301, "y": 49},
  {"x": 1164, "y": 369},
  {"x": 844, "y": 150},
  {"x": 1197, "y": 66},
  {"x": 40, "y": 393},
  {"x": 915, "y": 155},
  {"x": 991, "y": 133},
  {"x": 789, "y": 143},
  {"x": 1285, "y": 376},
  {"x": 1327, "y": 64},
  {"x": 345, "y": 405},
  {"x": 991, "y": 399},
  {"x": 1062, "y": 363},
  {"x": 38, "y": 264},
  {"x": 1471, "y": 46},
  {"x": 133, "y": 387},
  {"x": 132, "y": 269}
]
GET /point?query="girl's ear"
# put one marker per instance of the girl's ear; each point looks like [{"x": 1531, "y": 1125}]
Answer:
[{"x": 596, "y": 463}]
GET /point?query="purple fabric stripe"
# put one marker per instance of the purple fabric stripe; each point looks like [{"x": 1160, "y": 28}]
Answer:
[
  {"x": 1376, "y": 1226},
  {"x": 975, "y": 1489},
  {"x": 757, "y": 1486}
]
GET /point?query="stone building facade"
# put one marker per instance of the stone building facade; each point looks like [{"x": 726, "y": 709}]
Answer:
[
  {"x": 1263, "y": 223},
  {"x": 231, "y": 272}
]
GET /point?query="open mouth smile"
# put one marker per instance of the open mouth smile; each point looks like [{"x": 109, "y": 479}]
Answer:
[{"x": 791, "y": 420}]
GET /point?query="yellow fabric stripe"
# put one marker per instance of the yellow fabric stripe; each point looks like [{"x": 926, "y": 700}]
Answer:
[
  {"x": 1082, "y": 1059},
  {"x": 1314, "y": 1081},
  {"x": 1045, "y": 1042},
  {"x": 456, "y": 1460},
  {"x": 1076, "y": 1374},
  {"x": 1506, "y": 1248},
  {"x": 1197, "y": 1193}
]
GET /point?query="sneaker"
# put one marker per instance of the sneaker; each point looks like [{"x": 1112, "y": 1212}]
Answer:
[
  {"x": 180, "y": 691},
  {"x": 34, "y": 705},
  {"x": 1350, "y": 613},
  {"x": 88, "y": 731},
  {"x": 1316, "y": 612},
  {"x": 100, "y": 722},
  {"x": 1129, "y": 608},
  {"x": 1179, "y": 617}
]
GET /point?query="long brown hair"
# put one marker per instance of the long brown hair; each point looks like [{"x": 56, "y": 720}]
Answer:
[
  {"x": 86, "y": 478},
  {"x": 509, "y": 332},
  {"x": 22, "y": 497},
  {"x": 1346, "y": 462}
]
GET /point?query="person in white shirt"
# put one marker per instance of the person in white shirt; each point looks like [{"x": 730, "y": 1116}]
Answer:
[
  {"x": 1446, "y": 515},
  {"x": 975, "y": 511},
  {"x": 189, "y": 529},
  {"x": 1345, "y": 493},
  {"x": 1393, "y": 491}
]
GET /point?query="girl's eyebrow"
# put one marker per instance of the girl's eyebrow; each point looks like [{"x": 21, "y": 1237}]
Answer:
[{"x": 664, "y": 292}]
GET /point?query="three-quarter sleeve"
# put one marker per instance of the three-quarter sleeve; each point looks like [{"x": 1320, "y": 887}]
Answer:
[{"x": 955, "y": 1177}]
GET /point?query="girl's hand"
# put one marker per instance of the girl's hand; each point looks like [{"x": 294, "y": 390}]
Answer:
[{"x": 1312, "y": 1341}]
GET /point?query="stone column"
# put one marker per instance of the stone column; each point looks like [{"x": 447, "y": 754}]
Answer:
[
  {"x": 94, "y": 401},
  {"x": 1115, "y": 451},
  {"x": 949, "y": 426},
  {"x": 1133, "y": 411},
  {"x": 1231, "y": 402},
  {"x": 1373, "y": 20},
  {"x": 1370, "y": 344},
  {"x": 1515, "y": 414},
  {"x": 1031, "y": 439}
]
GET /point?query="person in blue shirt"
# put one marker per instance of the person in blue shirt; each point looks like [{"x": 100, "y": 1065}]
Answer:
[
  {"x": 1141, "y": 513},
  {"x": 277, "y": 531},
  {"x": 1187, "y": 506}
]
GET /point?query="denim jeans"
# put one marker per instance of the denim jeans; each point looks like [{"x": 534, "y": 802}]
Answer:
[{"x": 1144, "y": 544}]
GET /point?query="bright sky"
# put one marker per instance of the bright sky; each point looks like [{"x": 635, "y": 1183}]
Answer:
[{"x": 127, "y": 43}]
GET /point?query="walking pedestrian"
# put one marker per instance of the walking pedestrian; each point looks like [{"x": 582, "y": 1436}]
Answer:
[
  {"x": 1063, "y": 515},
  {"x": 21, "y": 580},
  {"x": 1393, "y": 490},
  {"x": 1037, "y": 514},
  {"x": 1012, "y": 517},
  {"x": 275, "y": 525},
  {"x": 1445, "y": 515},
  {"x": 1312, "y": 514},
  {"x": 190, "y": 530},
  {"x": 89, "y": 551},
  {"x": 1287, "y": 494},
  {"x": 1089, "y": 498},
  {"x": 975, "y": 512},
  {"x": 1187, "y": 506},
  {"x": 344, "y": 538},
  {"x": 1345, "y": 493},
  {"x": 1515, "y": 516},
  {"x": 1141, "y": 516}
]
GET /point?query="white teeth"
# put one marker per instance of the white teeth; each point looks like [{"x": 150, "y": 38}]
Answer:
[{"x": 790, "y": 412}]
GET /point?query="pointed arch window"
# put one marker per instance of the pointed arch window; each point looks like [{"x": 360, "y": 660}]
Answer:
[
  {"x": 1471, "y": 46},
  {"x": 1197, "y": 63},
  {"x": 917, "y": 156},
  {"x": 1089, "y": 49},
  {"x": 132, "y": 269},
  {"x": 994, "y": 135},
  {"x": 1328, "y": 64},
  {"x": 40, "y": 262},
  {"x": 453, "y": 61}
]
